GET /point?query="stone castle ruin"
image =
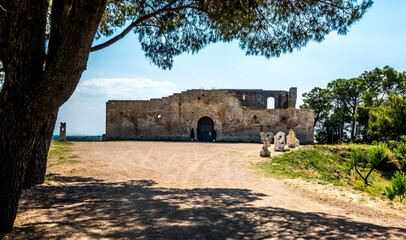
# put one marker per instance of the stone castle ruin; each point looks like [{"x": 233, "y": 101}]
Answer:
[{"x": 207, "y": 115}]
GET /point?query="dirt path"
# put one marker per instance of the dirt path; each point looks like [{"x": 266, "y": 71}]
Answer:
[{"x": 166, "y": 190}]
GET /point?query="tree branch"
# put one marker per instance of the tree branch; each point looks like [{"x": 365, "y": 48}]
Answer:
[
  {"x": 331, "y": 3},
  {"x": 356, "y": 169},
  {"x": 366, "y": 177},
  {"x": 137, "y": 22}
]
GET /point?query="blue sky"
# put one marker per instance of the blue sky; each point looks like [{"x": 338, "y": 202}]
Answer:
[{"x": 121, "y": 72}]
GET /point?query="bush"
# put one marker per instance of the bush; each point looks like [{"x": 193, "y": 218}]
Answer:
[
  {"x": 398, "y": 186},
  {"x": 390, "y": 193},
  {"x": 357, "y": 156},
  {"x": 400, "y": 150},
  {"x": 371, "y": 158},
  {"x": 377, "y": 155}
]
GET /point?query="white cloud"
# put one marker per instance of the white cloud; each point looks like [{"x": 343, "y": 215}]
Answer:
[
  {"x": 125, "y": 88},
  {"x": 85, "y": 111}
]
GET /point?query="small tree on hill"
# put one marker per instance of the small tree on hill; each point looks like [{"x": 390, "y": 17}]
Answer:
[
  {"x": 370, "y": 159},
  {"x": 398, "y": 186}
]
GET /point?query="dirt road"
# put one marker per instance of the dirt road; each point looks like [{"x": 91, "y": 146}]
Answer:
[{"x": 167, "y": 190}]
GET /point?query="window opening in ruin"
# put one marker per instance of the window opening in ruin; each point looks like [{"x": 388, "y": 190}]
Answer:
[
  {"x": 271, "y": 103},
  {"x": 205, "y": 130},
  {"x": 243, "y": 97},
  {"x": 255, "y": 119}
]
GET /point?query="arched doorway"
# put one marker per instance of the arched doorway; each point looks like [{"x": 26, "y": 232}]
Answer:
[{"x": 205, "y": 130}]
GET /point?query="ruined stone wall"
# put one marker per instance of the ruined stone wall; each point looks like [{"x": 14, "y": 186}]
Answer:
[
  {"x": 176, "y": 116},
  {"x": 258, "y": 98}
]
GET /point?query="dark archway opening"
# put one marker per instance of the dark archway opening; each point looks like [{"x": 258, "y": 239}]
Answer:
[{"x": 205, "y": 130}]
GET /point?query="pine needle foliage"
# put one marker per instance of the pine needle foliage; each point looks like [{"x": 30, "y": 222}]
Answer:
[
  {"x": 398, "y": 186},
  {"x": 166, "y": 28}
]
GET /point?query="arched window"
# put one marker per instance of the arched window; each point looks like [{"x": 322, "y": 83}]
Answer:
[{"x": 271, "y": 103}]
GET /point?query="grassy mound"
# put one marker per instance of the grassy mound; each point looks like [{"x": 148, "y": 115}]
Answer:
[
  {"x": 308, "y": 163},
  {"x": 327, "y": 164}
]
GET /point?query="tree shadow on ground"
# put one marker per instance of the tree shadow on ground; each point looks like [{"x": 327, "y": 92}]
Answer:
[{"x": 89, "y": 208}]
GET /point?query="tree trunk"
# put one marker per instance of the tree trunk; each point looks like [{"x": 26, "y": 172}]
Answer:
[
  {"x": 353, "y": 121},
  {"x": 18, "y": 133},
  {"x": 37, "y": 83},
  {"x": 37, "y": 165},
  {"x": 353, "y": 127},
  {"x": 342, "y": 129},
  {"x": 19, "y": 122}
]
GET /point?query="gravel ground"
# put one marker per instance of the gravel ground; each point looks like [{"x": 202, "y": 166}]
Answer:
[{"x": 186, "y": 190}]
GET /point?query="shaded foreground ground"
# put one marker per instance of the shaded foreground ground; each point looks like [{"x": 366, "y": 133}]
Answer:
[{"x": 150, "y": 190}]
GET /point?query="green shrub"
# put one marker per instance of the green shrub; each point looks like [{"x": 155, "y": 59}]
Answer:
[
  {"x": 390, "y": 193},
  {"x": 371, "y": 158},
  {"x": 357, "y": 157},
  {"x": 398, "y": 186},
  {"x": 400, "y": 149},
  {"x": 377, "y": 154}
]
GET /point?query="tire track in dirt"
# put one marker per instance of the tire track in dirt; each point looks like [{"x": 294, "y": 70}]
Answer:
[
  {"x": 215, "y": 172},
  {"x": 193, "y": 171},
  {"x": 146, "y": 158}
]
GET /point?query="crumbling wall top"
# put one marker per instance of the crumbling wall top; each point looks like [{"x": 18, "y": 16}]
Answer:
[{"x": 250, "y": 98}]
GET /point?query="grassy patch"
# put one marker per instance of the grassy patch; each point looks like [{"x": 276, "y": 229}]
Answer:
[
  {"x": 50, "y": 176},
  {"x": 60, "y": 153},
  {"x": 308, "y": 163},
  {"x": 327, "y": 164}
]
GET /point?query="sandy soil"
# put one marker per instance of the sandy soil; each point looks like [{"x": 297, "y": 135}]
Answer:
[{"x": 185, "y": 190}]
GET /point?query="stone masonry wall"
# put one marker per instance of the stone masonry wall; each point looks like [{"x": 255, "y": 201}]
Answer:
[{"x": 236, "y": 117}]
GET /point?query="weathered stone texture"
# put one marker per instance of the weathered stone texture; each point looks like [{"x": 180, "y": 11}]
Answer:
[
  {"x": 238, "y": 115},
  {"x": 62, "y": 132}
]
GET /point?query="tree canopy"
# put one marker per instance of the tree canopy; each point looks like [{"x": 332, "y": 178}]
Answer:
[
  {"x": 370, "y": 107},
  {"x": 167, "y": 28}
]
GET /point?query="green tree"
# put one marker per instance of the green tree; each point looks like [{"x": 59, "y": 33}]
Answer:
[
  {"x": 347, "y": 105},
  {"x": 347, "y": 96},
  {"x": 400, "y": 149},
  {"x": 371, "y": 158},
  {"x": 334, "y": 107},
  {"x": 45, "y": 50},
  {"x": 388, "y": 121},
  {"x": 362, "y": 118},
  {"x": 340, "y": 109},
  {"x": 317, "y": 99},
  {"x": 398, "y": 186},
  {"x": 378, "y": 84}
]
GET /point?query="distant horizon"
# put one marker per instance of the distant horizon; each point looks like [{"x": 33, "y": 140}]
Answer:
[{"x": 77, "y": 135}]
